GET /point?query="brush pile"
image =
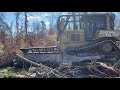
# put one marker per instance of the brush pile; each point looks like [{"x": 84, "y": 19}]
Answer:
[
  {"x": 93, "y": 69},
  {"x": 85, "y": 70}
]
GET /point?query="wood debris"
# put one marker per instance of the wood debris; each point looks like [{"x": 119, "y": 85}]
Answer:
[{"x": 79, "y": 70}]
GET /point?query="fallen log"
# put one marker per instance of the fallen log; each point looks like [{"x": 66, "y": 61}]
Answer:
[{"x": 49, "y": 70}]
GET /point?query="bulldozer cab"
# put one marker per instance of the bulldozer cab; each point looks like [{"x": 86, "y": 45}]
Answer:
[
  {"x": 89, "y": 22},
  {"x": 82, "y": 28}
]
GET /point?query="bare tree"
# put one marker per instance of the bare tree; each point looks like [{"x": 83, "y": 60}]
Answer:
[
  {"x": 2, "y": 15},
  {"x": 52, "y": 18},
  {"x": 36, "y": 27},
  {"x": 10, "y": 30},
  {"x": 43, "y": 28},
  {"x": 4, "y": 30},
  {"x": 17, "y": 17},
  {"x": 21, "y": 25},
  {"x": 26, "y": 24}
]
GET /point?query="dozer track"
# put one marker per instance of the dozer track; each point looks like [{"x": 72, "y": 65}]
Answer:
[{"x": 106, "y": 47}]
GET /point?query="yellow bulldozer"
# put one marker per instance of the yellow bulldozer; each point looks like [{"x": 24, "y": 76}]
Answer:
[{"x": 79, "y": 38}]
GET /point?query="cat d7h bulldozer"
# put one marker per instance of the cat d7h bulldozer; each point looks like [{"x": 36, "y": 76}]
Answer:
[{"x": 80, "y": 38}]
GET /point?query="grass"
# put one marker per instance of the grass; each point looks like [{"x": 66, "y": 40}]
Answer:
[
  {"x": 6, "y": 72},
  {"x": 9, "y": 71}
]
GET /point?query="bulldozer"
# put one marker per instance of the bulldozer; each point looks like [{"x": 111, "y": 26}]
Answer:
[{"x": 81, "y": 38}]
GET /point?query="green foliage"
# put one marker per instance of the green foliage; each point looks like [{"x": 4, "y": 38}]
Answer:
[
  {"x": 6, "y": 72},
  {"x": 25, "y": 71},
  {"x": 17, "y": 62},
  {"x": 32, "y": 69},
  {"x": 9, "y": 72},
  {"x": 118, "y": 66}
]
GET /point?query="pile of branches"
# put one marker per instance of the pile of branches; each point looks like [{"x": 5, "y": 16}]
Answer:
[
  {"x": 90, "y": 70},
  {"x": 69, "y": 70},
  {"x": 86, "y": 70}
]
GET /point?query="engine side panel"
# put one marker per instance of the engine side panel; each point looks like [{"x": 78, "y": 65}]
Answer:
[
  {"x": 109, "y": 33},
  {"x": 72, "y": 39}
]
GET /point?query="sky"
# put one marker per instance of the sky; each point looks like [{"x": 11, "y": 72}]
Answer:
[{"x": 34, "y": 16}]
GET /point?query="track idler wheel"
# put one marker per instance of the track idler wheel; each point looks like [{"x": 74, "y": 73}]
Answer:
[{"x": 106, "y": 48}]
